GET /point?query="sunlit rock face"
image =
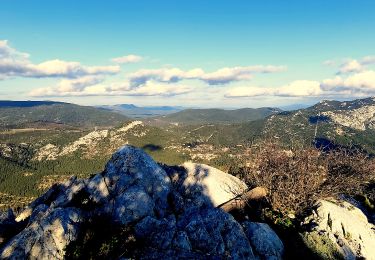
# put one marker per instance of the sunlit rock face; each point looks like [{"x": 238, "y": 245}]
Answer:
[
  {"x": 346, "y": 226},
  {"x": 216, "y": 185},
  {"x": 360, "y": 118},
  {"x": 171, "y": 210},
  {"x": 46, "y": 237}
]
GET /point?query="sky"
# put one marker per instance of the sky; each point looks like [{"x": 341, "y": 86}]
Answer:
[{"x": 195, "y": 53}]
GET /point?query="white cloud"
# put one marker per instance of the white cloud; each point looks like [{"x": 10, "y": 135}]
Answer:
[
  {"x": 219, "y": 77},
  {"x": 166, "y": 75},
  {"x": 118, "y": 86},
  {"x": 88, "y": 86},
  {"x": 227, "y": 75},
  {"x": 152, "y": 88},
  {"x": 127, "y": 59},
  {"x": 66, "y": 86},
  {"x": 359, "y": 84},
  {"x": 58, "y": 68},
  {"x": 17, "y": 64},
  {"x": 298, "y": 88},
  {"x": 7, "y": 52},
  {"x": 352, "y": 65},
  {"x": 78, "y": 84}
]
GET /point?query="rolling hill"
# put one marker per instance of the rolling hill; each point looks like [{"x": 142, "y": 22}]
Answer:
[
  {"x": 19, "y": 114},
  {"x": 214, "y": 116}
]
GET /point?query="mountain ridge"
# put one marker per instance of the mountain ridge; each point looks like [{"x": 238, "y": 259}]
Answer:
[
  {"x": 17, "y": 114},
  {"x": 215, "y": 116}
]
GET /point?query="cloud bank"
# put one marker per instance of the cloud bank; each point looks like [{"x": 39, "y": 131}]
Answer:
[
  {"x": 219, "y": 77},
  {"x": 151, "y": 82},
  {"x": 298, "y": 88},
  {"x": 355, "y": 85},
  {"x": 151, "y": 88},
  {"x": 17, "y": 64},
  {"x": 354, "y": 78}
]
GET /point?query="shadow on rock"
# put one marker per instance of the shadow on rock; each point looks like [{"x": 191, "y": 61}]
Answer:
[{"x": 152, "y": 147}]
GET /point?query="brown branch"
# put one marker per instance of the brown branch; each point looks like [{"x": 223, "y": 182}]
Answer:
[{"x": 239, "y": 202}]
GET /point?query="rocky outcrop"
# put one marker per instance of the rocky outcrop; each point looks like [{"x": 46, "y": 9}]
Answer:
[
  {"x": 360, "y": 118},
  {"x": 46, "y": 237},
  {"x": 344, "y": 228},
  {"x": 88, "y": 144},
  {"x": 200, "y": 181},
  {"x": 172, "y": 211},
  {"x": 219, "y": 186}
]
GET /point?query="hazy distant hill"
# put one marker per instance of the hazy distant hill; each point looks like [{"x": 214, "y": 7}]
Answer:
[
  {"x": 294, "y": 107},
  {"x": 216, "y": 116},
  {"x": 26, "y": 113},
  {"x": 134, "y": 111}
]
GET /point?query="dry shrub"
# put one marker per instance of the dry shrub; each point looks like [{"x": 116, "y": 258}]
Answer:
[
  {"x": 350, "y": 172},
  {"x": 296, "y": 178}
]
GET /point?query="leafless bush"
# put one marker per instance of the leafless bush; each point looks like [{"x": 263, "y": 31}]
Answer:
[
  {"x": 349, "y": 173},
  {"x": 296, "y": 178}
]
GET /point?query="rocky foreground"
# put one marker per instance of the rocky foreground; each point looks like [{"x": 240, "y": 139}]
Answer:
[{"x": 172, "y": 212}]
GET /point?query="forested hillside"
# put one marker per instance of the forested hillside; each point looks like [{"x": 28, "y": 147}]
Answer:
[{"x": 31, "y": 113}]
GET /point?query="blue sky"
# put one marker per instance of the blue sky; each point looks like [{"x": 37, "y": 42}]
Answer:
[{"x": 193, "y": 53}]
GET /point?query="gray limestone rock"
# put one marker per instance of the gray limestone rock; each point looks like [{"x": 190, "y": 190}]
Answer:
[
  {"x": 46, "y": 238},
  {"x": 263, "y": 240}
]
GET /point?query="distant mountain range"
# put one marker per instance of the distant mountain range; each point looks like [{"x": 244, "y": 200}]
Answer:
[
  {"x": 165, "y": 115},
  {"x": 33, "y": 113},
  {"x": 294, "y": 107},
  {"x": 134, "y": 111}
]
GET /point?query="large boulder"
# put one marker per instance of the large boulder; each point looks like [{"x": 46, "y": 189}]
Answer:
[
  {"x": 202, "y": 182},
  {"x": 345, "y": 227}
]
